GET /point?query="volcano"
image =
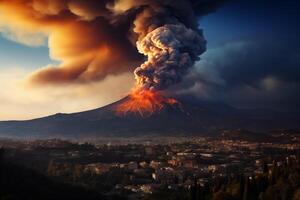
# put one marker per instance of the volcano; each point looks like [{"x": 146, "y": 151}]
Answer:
[{"x": 189, "y": 117}]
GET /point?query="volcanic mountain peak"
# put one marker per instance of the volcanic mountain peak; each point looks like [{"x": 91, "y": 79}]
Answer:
[
  {"x": 189, "y": 116},
  {"x": 145, "y": 102},
  {"x": 126, "y": 108}
]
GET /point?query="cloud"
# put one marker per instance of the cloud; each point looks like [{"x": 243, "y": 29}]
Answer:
[
  {"x": 91, "y": 39},
  {"x": 78, "y": 34},
  {"x": 248, "y": 74},
  {"x": 21, "y": 102},
  {"x": 26, "y": 38}
]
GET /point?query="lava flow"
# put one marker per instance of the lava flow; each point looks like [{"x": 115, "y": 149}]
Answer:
[{"x": 145, "y": 102}]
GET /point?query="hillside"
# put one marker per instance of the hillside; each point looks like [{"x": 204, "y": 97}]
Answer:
[{"x": 189, "y": 117}]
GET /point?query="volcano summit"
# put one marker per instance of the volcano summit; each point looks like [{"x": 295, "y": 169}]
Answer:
[{"x": 188, "y": 117}]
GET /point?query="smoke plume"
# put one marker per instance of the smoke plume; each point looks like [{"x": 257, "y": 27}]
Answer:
[
  {"x": 94, "y": 38},
  {"x": 171, "y": 50}
]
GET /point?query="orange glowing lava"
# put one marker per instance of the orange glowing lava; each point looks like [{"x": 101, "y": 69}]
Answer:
[{"x": 145, "y": 102}]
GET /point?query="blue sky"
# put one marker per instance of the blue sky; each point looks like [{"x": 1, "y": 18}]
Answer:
[
  {"x": 15, "y": 55},
  {"x": 252, "y": 19}
]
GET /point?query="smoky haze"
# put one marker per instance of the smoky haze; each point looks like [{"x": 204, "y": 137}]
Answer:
[{"x": 93, "y": 39}]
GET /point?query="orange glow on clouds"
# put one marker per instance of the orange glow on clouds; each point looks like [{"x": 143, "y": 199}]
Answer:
[
  {"x": 79, "y": 34},
  {"x": 145, "y": 102}
]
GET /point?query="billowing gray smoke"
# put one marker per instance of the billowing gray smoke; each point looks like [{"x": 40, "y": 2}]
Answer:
[
  {"x": 168, "y": 35},
  {"x": 171, "y": 51}
]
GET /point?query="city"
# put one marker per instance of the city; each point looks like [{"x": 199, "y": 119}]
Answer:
[{"x": 141, "y": 168}]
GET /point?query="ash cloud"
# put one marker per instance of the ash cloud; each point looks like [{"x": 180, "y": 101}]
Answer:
[
  {"x": 171, "y": 51},
  {"x": 93, "y": 39},
  {"x": 248, "y": 74}
]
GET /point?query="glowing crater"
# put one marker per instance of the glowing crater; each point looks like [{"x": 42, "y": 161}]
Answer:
[{"x": 145, "y": 102}]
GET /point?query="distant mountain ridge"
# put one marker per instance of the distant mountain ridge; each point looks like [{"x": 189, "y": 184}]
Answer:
[{"x": 191, "y": 117}]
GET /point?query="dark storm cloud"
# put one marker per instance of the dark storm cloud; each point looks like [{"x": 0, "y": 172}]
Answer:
[
  {"x": 247, "y": 63},
  {"x": 249, "y": 74}
]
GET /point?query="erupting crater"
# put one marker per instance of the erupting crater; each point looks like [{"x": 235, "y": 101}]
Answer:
[{"x": 145, "y": 103}]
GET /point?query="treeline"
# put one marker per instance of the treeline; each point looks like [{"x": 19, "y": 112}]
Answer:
[
  {"x": 275, "y": 183},
  {"x": 75, "y": 173},
  {"x": 21, "y": 183}
]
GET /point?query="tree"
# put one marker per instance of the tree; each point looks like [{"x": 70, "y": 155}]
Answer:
[
  {"x": 1, "y": 155},
  {"x": 297, "y": 195}
]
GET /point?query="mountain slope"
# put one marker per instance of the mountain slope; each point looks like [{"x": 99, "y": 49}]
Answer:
[{"x": 189, "y": 117}]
